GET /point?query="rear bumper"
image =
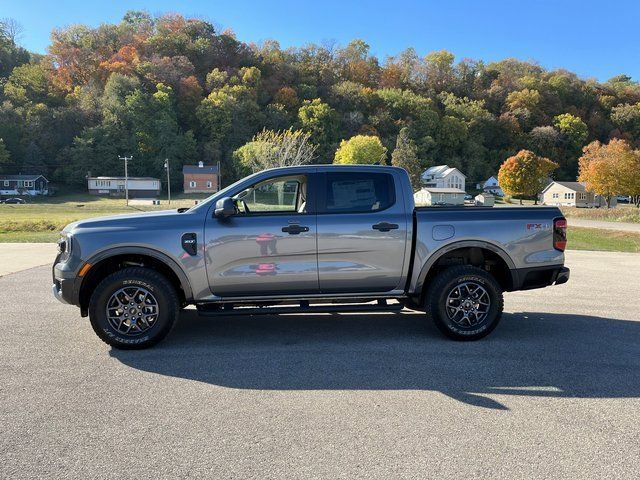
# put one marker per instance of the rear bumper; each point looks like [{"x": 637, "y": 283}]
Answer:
[{"x": 540, "y": 277}]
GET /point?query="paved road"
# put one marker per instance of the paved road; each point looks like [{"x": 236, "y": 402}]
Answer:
[
  {"x": 553, "y": 393},
  {"x": 620, "y": 226}
]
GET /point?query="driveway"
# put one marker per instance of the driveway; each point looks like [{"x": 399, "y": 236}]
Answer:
[
  {"x": 552, "y": 393},
  {"x": 15, "y": 257}
]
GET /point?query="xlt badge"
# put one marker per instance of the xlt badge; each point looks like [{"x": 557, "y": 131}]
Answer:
[{"x": 190, "y": 243}]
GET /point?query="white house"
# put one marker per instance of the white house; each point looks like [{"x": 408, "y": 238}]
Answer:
[
  {"x": 439, "y": 196},
  {"x": 23, "y": 185},
  {"x": 491, "y": 186},
  {"x": 139, "y": 187},
  {"x": 443, "y": 176}
]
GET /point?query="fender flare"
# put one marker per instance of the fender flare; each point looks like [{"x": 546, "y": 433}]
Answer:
[
  {"x": 150, "y": 252},
  {"x": 436, "y": 255}
]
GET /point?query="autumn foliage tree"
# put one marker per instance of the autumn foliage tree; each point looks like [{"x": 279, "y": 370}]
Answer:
[
  {"x": 610, "y": 169},
  {"x": 523, "y": 174}
]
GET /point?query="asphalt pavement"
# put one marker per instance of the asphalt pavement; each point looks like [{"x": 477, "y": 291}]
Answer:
[{"x": 552, "y": 393}]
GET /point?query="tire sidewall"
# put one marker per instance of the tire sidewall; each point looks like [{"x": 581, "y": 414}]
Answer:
[
  {"x": 493, "y": 315},
  {"x": 98, "y": 316}
]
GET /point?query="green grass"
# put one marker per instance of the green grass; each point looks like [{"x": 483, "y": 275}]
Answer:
[
  {"x": 43, "y": 218},
  {"x": 29, "y": 237},
  {"x": 602, "y": 240}
]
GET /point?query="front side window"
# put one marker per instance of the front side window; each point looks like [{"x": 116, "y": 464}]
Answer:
[
  {"x": 358, "y": 192},
  {"x": 208, "y": 184},
  {"x": 278, "y": 195},
  {"x": 192, "y": 184}
]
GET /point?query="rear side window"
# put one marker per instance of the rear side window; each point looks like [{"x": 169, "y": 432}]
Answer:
[{"x": 358, "y": 192}]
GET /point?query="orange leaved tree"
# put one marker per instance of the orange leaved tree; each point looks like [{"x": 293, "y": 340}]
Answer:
[
  {"x": 609, "y": 170},
  {"x": 523, "y": 174}
]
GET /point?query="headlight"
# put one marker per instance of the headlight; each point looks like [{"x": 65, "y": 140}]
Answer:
[{"x": 65, "y": 244}]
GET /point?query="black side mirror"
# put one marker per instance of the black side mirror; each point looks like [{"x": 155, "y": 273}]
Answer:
[{"x": 225, "y": 207}]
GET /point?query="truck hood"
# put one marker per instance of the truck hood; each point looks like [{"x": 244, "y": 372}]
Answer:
[{"x": 125, "y": 221}]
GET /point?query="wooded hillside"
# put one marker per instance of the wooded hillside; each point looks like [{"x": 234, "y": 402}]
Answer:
[{"x": 174, "y": 87}]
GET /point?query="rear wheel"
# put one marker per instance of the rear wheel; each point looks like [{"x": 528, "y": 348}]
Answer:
[
  {"x": 464, "y": 302},
  {"x": 133, "y": 308}
]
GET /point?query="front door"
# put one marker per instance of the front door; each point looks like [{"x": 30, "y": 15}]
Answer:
[
  {"x": 362, "y": 232},
  {"x": 269, "y": 246}
]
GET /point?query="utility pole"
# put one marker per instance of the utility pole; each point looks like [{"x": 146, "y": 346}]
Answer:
[
  {"x": 166, "y": 165},
  {"x": 126, "y": 176}
]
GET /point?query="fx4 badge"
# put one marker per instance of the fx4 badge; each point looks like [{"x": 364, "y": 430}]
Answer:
[{"x": 537, "y": 226}]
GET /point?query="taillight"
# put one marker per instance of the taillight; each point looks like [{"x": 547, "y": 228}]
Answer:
[{"x": 560, "y": 234}]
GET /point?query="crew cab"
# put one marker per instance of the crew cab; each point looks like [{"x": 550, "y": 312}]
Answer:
[{"x": 318, "y": 238}]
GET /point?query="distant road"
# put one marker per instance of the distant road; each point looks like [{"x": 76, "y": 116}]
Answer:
[{"x": 620, "y": 226}]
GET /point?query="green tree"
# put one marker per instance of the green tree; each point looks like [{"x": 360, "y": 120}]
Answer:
[
  {"x": 361, "y": 149},
  {"x": 34, "y": 161},
  {"x": 5, "y": 158},
  {"x": 405, "y": 155},
  {"x": 573, "y": 128},
  {"x": 523, "y": 174},
  {"x": 320, "y": 121}
]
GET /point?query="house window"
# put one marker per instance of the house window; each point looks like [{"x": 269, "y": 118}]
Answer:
[
  {"x": 555, "y": 195},
  {"x": 6, "y": 183},
  {"x": 209, "y": 184},
  {"x": 192, "y": 184},
  {"x": 28, "y": 183},
  {"x": 582, "y": 196}
]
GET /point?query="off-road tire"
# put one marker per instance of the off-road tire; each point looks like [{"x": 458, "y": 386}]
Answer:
[
  {"x": 444, "y": 283},
  {"x": 154, "y": 282}
]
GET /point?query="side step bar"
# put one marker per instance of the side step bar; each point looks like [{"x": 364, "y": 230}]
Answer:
[{"x": 217, "y": 310}]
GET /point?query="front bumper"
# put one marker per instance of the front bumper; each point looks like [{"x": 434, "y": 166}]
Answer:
[
  {"x": 64, "y": 290},
  {"x": 64, "y": 273}
]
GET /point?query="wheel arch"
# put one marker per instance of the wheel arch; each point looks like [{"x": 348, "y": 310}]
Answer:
[
  {"x": 114, "y": 259},
  {"x": 474, "y": 252}
]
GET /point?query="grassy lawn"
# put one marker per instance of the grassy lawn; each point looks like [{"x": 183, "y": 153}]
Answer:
[
  {"x": 41, "y": 219},
  {"x": 602, "y": 240}
]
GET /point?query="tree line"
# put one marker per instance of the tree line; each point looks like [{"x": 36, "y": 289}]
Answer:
[{"x": 167, "y": 86}]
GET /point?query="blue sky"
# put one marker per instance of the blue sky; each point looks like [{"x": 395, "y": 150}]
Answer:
[{"x": 593, "y": 38}]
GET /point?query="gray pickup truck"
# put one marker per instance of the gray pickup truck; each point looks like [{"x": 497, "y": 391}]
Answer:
[{"x": 307, "y": 239}]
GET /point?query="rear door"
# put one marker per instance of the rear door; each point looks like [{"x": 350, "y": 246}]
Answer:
[{"x": 362, "y": 232}]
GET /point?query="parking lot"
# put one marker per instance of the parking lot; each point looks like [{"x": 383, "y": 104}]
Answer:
[{"x": 552, "y": 393}]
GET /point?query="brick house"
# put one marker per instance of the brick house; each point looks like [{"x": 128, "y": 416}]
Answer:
[{"x": 201, "y": 178}]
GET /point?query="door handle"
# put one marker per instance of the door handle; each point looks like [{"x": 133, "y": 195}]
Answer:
[
  {"x": 295, "y": 229},
  {"x": 385, "y": 226}
]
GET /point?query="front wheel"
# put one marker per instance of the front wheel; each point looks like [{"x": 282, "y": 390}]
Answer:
[
  {"x": 133, "y": 308},
  {"x": 464, "y": 302}
]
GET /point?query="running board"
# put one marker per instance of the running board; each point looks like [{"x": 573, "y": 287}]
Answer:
[{"x": 208, "y": 310}]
